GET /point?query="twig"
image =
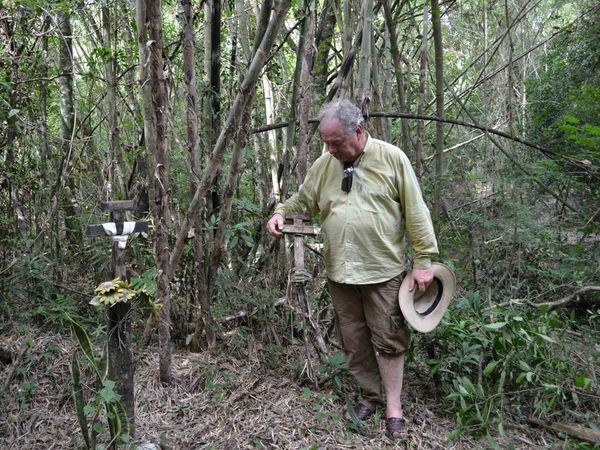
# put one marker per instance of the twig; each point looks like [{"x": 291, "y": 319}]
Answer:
[{"x": 454, "y": 147}]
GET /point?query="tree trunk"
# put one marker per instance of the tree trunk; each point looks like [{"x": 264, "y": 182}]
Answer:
[
  {"x": 280, "y": 176},
  {"x": 378, "y": 86},
  {"x": 271, "y": 135},
  {"x": 45, "y": 153},
  {"x": 509, "y": 75},
  {"x": 204, "y": 320},
  {"x": 305, "y": 91},
  {"x": 439, "y": 101},
  {"x": 366, "y": 58},
  {"x": 116, "y": 183},
  {"x": 395, "y": 54},
  {"x": 67, "y": 112},
  {"x": 240, "y": 140},
  {"x": 160, "y": 207},
  {"x": 421, "y": 99},
  {"x": 212, "y": 108},
  {"x": 12, "y": 129},
  {"x": 323, "y": 37}
]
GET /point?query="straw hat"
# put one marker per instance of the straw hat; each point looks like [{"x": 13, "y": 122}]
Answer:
[{"x": 424, "y": 310}]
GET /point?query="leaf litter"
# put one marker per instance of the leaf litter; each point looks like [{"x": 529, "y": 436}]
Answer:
[{"x": 218, "y": 400}]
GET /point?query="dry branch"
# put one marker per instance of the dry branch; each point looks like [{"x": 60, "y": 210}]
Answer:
[
  {"x": 402, "y": 115},
  {"x": 577, "y": 431},
  {"x": 574, "y": 296},
  {"x": 454, "y": 147}
]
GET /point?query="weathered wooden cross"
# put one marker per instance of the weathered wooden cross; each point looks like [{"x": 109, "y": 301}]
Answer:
[
  {"x": 120, "y": 360},
  {"x": 300, "y": 227}
]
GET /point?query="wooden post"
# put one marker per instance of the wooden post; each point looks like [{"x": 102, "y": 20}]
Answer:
[
  {"x": 301, "y": 228},
  {"x": 120, "y": 359},
  {"x": 298, "y": 244}
]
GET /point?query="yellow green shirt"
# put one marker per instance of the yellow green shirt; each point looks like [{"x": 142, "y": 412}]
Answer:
[{"x": 364, "y": 230}]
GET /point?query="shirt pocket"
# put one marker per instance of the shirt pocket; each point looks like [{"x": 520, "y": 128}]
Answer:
[{"x": 376, "y": 199}]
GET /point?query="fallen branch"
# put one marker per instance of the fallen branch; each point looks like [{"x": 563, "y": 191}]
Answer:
[
  {"x": 577, "y": 431},
  {"x": 575, "y": 295}
]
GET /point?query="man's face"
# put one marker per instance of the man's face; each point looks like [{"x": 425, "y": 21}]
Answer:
[{"x": 341, "y": 145}]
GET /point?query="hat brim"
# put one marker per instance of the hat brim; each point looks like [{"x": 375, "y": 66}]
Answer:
[{"x": 426, "y": 321}]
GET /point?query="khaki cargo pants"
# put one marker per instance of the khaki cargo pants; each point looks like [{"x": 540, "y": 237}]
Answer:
[{"x": 369, "y": 322}]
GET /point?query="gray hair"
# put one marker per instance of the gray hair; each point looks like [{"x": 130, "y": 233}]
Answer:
[{"x": 349, "y": 115}]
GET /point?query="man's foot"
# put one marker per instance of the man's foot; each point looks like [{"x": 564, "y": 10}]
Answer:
[
  {"x": 360, "y": 411},
  {"x": 395, "y": 427}
]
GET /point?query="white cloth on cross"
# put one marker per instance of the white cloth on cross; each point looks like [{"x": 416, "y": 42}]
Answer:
[{"x": 110, "y": 229}]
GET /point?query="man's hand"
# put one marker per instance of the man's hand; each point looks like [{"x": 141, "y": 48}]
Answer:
[
  {"x": 275, "y": 224},
  {"x": 420, "y": 278}
]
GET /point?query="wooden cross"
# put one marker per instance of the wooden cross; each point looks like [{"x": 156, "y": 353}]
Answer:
[
  {"x": 120, "y": 360},
  {"x": 300, "y": 227}
]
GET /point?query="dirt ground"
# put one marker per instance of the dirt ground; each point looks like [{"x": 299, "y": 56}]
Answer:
[{"x": 224, "y": 400}]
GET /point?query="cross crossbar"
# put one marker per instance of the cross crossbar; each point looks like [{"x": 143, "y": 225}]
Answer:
[
  {"x": 299, "y": 228},
  {"x": 117, "y": 205},
  {"x": 310, "y": 230},
  {"x": 101, "y": 230}
]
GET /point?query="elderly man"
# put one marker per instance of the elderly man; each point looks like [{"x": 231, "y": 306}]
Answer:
[{"x": 370, "y": 201}]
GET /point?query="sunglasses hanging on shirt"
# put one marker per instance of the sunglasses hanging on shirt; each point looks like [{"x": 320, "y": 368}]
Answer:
[{"x": 348, "y": 173}]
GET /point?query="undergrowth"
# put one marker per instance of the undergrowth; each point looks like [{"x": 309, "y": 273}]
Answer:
[{"x": 513, "y": 362}]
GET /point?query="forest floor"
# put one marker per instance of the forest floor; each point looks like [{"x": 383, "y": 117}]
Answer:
[{"x": 220, "y": 400}]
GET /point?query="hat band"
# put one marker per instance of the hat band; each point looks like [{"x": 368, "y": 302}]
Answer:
[{"x": 435, "y": 303}]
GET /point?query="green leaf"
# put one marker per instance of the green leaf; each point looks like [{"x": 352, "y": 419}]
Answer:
[
  {"x": 493, "y": 444},
  {"x": 85, "y": 344},
  {"x": 494, "y": 326},
  {"x": 79, "y": 400},
  {"x": 546, "y": 338},
  {"x": 583, "y": 382},
  {"x": 98, "y": 428},
  {"x": 551, "y": 387},
  {"x": 554, "y": 323},
  {"x": 490, "y": 367},
  {"x": 529, "y": 376},
  {"x": 453, "y": 396},
  {"x": 469, "y": 385},
  {"x": 123, "y": 419},
  {"x": 501, "y": 428},
  {"x": 125, "y": 438},
  {"x": 114, "y": 421},
  {"x": 524, "y": 366},
  {"x": 107, "y": 392},
  {"x": 571, "y": 119},
  {"x": 454, "y": 434}
]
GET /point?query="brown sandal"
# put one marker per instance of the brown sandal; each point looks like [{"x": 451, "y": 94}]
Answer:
[{"x": 395, "y": 427}]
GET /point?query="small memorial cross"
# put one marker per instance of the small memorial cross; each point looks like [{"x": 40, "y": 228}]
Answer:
[{"x": 120, "y": 360}]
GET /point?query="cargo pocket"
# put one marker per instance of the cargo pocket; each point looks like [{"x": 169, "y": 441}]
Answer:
[{"x": 392, "y": 339}]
